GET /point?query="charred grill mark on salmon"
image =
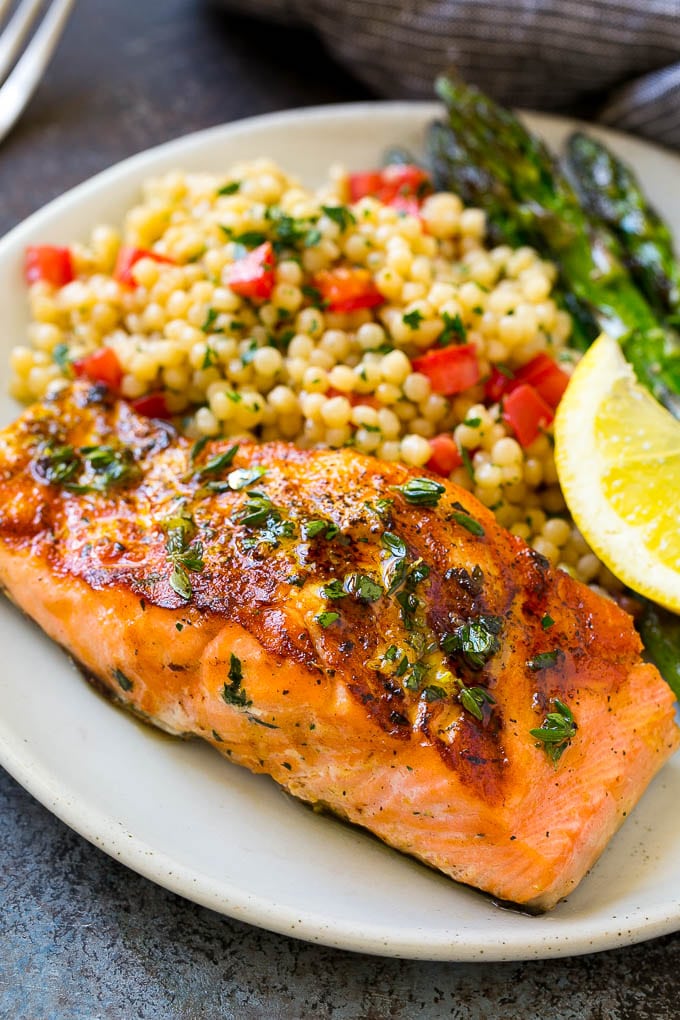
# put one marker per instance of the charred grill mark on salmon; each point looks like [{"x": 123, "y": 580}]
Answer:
[{"x": 368, "y": 636}]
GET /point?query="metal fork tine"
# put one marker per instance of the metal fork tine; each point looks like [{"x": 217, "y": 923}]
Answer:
[
  {"x": 22, "y": 82},
  {"x": 13, "y": 36}
]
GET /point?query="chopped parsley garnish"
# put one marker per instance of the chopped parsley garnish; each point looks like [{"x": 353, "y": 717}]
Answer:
[
  {"x": 198, "y": 448},
  {"x": 544, "y": 660},
  {"x": 394, "y": 564},
  {"x": 312, "y": 238},
  {"x": 395, "y": 545},
  {"x": 472, "y": 423},
  {"x": 209, "y": 357},
  {"x": 340, "y": 214},
  {"x": 310, "y": 529},
  {"x": 362, "y": 587},
  {"x": 281, "y": 340},
  {"x": 289, "y": 232},
  {"x": 467, "y": 462},
  {"x": 475, "y": 641},
  {"x": 122, "y": 680},
  {"x": 462, "y": 517},
  {"x": 421, "y": 491},
  {"x": 58, "y": 464},
  {"x": 395, "y": 573},
  {"x": 111, "y": 465},
  {"x": 433, "y": 693},
  {"x": 259, "y": 514},
  {"x": 249, "y": 238},
  {"x": 326, "y": 619},
  {"x": 241, "y": 478},
  {"x": 229, "y": 189},
  {"x": 412, "y": 319},
  {"x": 383, "y": 507},
  {"x": 185, "y": 555},
  {"x": 409, "y": 607},
  {"x": 333, "y": 590},
  {"x": 547, "y": 621},
  {"x": 219, "y": 462},
  {"x": 104, "y": 467},
  {"x": 274, "y": 530},
  {"x": 248, "y": 356},
  {"x": 415, "y": 675},
  {"x": 233, "y": 692},
  {"x": 557, "y": 731},
  {"x": 61, "y": 357},
  {"x": 256, "y": 511},
  {"x": 454, "y": 331},
  {"x": 210, "y": 318},
  {"x": 313, "y": 294},
  {"x": 475, "y": 699},
  {"x": 402, "y": 666},
  {"x": 419, "y": 572}
]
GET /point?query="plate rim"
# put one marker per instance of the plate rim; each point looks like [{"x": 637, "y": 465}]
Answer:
[{"x": 154, "y": 864}]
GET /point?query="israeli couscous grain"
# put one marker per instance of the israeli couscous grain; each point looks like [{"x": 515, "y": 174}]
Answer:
[{"x": 289, "y": 364}]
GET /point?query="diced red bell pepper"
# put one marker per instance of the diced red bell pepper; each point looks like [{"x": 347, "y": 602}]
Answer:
[
  {"x": 253, "y": 275},
  {"x": 347, "y": 288},
  {"x": 128, "y": 257},
  {"x": 449, "y": 369},
  {"x": 101, "y": 366},
  {"x": 48, "y": 263},
  {"x": 395, "y": 182},
  {"x": 497, "y": 384},
  {"x": 152, "y": 405},
  {"x": 526, "y": 411},
  {"x": 546, "y": 377},
  {"x": 445, "y": 456},
  {"x": 363, "y": 184},
  {"x": 402, "y": 180}
]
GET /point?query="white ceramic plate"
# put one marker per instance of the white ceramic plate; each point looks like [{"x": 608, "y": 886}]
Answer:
[{"x": 185, "y": 818}]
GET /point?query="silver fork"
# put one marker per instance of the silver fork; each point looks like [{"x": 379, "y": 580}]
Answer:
[{"x": 21, "y": 76}]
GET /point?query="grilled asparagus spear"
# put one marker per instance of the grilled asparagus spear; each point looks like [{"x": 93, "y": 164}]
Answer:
[
  {"x": 660, "y": 633},
  {"x": 611, "y": 194},
  {"x": 485, "y": 154}
]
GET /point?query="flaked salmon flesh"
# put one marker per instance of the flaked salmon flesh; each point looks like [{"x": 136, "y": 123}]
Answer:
[{"x": 363, "y": 633}]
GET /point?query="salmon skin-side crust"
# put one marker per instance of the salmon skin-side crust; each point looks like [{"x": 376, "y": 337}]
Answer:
[{"x": 365, "y": 634}]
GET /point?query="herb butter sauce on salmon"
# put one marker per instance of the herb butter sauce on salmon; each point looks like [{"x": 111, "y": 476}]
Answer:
[{"x": 364, "y": 633}]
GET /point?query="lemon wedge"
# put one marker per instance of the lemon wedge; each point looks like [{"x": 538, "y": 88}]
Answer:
[{"x": 617, "y": 453}]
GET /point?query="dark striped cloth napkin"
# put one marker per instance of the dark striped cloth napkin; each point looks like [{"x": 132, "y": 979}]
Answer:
[{"x": 616, "y": 61}]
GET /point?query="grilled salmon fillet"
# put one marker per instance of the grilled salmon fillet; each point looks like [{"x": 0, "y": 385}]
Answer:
[{"x": 364, "y": 634}]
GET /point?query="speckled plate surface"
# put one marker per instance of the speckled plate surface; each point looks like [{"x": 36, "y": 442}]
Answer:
[{"x": 185, "y": 818}]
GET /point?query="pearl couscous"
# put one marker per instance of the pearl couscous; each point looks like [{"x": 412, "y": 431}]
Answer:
[{"x": 291, "y": 360}]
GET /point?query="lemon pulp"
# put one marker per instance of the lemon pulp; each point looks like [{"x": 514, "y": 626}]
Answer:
[{"x": 617, "y": 453}]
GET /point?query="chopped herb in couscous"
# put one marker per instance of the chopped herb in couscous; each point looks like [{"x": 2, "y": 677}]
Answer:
[{"x": 369, "y": 313}]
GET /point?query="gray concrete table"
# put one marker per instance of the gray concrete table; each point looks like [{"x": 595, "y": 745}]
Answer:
[{"x": 81, "y": 937}]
